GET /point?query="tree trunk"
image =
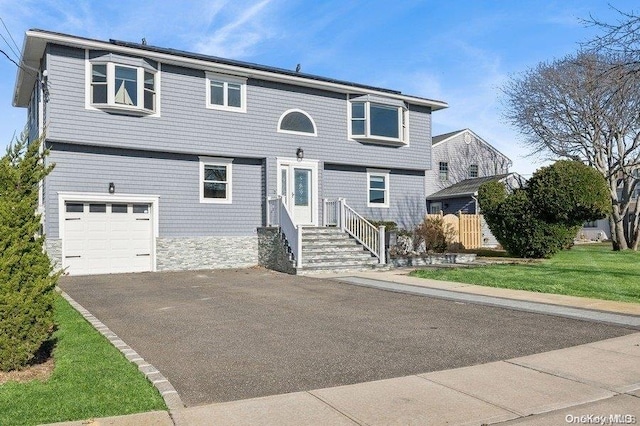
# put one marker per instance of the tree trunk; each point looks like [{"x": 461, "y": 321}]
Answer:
[
  {"x": 618, "y": 238},
  {"x": 634, "y": 228}
]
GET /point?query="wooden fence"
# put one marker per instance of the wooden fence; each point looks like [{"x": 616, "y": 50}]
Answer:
[{"x": 468, "y": 228}]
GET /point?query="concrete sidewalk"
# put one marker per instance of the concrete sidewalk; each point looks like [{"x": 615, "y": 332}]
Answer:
[
  {"x": 596, "y": 379},
  {"x": 601, "y": 378}
]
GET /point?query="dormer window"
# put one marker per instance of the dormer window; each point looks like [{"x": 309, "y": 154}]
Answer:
[
  {"x": 378, "y": 121},
  {"x": 123, "y": 88}
]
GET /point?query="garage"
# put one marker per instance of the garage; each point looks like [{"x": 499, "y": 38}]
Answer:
[{"x": 107, "y": 237}]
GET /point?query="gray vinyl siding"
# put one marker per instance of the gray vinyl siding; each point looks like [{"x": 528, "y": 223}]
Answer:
[
  {"x": 174, "y": 178},
  {"x": 185, "y": 124},
  {"x": 460, "y": 155},
  {"x": 406, "y": 194},
  {"x": 466, "y": 205}
]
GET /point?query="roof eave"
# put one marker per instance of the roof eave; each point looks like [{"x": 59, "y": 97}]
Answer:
[
  {"x": 446, "y": 196},
  {"x": 26, "y": 73},
  {"x": 37, "y": 39}
]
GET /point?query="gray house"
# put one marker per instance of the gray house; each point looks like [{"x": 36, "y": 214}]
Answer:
[
  {"x": 461, "y": 162},
  {"x": 168, "y": 160}
]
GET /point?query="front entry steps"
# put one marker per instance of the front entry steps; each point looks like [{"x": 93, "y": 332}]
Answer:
[{"x": 330, "y": 249}]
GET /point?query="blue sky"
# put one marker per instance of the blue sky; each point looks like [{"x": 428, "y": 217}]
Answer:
[{"x": 460, "y": 51}]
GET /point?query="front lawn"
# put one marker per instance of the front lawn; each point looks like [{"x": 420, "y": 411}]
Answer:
[
  {"x": 91, "y": 379},
  {"x": 586, "y": 270}
]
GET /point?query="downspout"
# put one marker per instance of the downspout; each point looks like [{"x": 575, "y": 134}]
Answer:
[{"x": 475, "y": 199}]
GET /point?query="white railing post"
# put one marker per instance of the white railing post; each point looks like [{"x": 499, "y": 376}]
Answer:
[
  {"x": 324, "y": 211},
  {"x": 341, "y": 218},
  {"x": 268, "y": 205},
  {"x": 382, "y": 248},
  {"x": 299, "y": 251}
]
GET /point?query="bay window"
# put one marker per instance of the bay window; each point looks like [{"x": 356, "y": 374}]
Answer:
[
  {"x": 378, "y": 122},
  {"x": 123, "y": 88}
]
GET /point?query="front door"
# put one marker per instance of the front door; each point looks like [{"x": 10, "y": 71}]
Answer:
[{"x": 297, "y": 185}]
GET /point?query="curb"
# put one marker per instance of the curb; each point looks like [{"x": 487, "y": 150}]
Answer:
[{"x": 161, "y": 383}]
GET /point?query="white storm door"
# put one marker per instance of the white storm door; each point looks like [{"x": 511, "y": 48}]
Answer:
[{"x": 297, "y": 187}]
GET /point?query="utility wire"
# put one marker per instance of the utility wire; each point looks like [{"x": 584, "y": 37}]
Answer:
[
  {"x": 18, "y": 65},
  {"x": 14, "y": 52},
  {"x": 11, "y": 59},
  {"x": 9, "y": 32}
]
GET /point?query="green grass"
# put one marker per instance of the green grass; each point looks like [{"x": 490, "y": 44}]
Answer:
[
  {"x": 586, "y": 271},
  {"x": 91, "y": 379}
]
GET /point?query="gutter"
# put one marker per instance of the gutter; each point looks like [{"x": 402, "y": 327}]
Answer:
[{"x": 175, "y": 59}]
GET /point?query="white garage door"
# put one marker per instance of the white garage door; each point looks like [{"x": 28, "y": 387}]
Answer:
[{"x": 107, "y": 238}]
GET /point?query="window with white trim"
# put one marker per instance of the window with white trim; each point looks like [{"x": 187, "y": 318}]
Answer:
[
  {"x": 435, "y": 207},
  {"x": 443, "y": 170},
  {"x": 377, "y": 188},
  {"x": 378, "y": 122},
  {"x": 123, "y": 87},
  {"x": 298, "y": 122},
  {"x": 215, "y": 180},
  {"x": 226, "y": 92},
  {"x": 473, "y": 170}
]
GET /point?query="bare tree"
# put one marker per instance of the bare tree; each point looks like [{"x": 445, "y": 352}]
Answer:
[
  {"x": 621, "y": 38},
  {"x": 585, "y": 107}
]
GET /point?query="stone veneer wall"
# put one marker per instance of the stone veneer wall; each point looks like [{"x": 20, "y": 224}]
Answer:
[
  {"x": 53, "y": 247},
  {"x": 173, "y": 254},
  {"x": 272, "y": 253}
]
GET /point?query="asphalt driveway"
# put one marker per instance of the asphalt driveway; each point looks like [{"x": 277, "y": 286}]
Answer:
[{"x": 235, "y": 334}]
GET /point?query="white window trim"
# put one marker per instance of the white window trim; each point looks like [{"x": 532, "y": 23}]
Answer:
[
  {"x": 477, "y": 168},
  {"x": 293, "y": 132},
  {"x": 403, "y": 124},
  {"x": 111, "y": 105},
  {"x": 226, "y": 79},
  {"x": 306, "y": 163},
  {"x": 216, "y": 161},
  {"x": 153, "y": 200},
  {"x": 387, "y": 192},
  {"x": 440, "y": 172},
  {"x": 433, "y": 204}
]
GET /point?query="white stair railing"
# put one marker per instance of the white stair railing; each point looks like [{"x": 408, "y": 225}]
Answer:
[
  {"x": 362, "y": 230},
  {"x": 331, "y": 213},
  {"x": 279, "y": 215}
]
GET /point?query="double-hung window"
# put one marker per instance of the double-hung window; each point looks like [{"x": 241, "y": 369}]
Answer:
[
  {"x": 215, "y": 180},
  {"x": 123, "y": 88},
  {"x": 377, "y": 188},
  {"x": 473, "y": 170},
  {"x": 380, "y": 122},
  {"x": 443, "y": 170},
  {"x": 226, "y": 92},
  {"x": 435, "y": 207}
]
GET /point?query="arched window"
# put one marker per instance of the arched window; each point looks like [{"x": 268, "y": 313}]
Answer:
[{"x": 298, "y": 122}]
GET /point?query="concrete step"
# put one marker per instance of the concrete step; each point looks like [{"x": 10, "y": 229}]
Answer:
[
  {"x": 337, "y": 257},
  {"x": 329, "y": 242},
  {"x": 326, "y": 237},
  {"x": 351, "y": 248},
  {"x": 338, "y": 263},
  {"x": 321, "y": 230},
  {"x": 317, "y": 270}
]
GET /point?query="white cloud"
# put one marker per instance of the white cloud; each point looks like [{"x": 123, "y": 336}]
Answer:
[{"x": 237, "y": 38}]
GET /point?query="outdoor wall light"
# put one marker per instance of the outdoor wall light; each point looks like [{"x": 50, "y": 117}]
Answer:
[
  {"x": 300, "y": 154},
  {"x": 112, "y": 188}
]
